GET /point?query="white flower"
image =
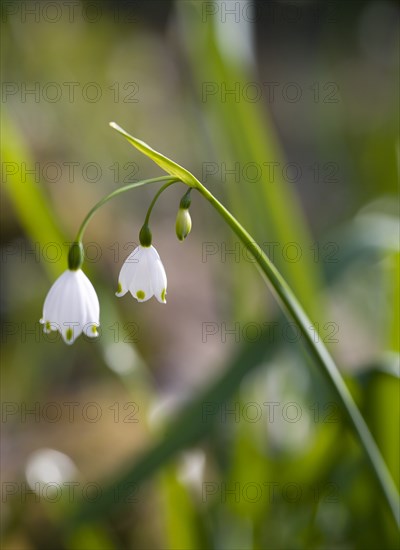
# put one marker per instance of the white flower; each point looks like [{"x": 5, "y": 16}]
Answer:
[
  {"x": 143, "y": 274},
  {"x": 71, "y": 307}
]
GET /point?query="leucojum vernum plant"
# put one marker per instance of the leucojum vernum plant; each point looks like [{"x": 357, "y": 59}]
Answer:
[{"x": 72, "y": 306}]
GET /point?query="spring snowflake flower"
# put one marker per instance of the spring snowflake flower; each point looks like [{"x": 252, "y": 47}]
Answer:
[
  {"x": 143, "y": 274},
  {"x": 71, "y": 307}
]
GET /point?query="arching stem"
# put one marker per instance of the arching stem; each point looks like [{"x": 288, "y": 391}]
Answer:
[{"x": 119, "y": 191}]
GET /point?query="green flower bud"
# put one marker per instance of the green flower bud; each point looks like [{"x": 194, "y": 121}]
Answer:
[
  {"x": 75, "y": 256},
  {"x": 183, "y": 224},
  {"x": 145, "y": 236}
]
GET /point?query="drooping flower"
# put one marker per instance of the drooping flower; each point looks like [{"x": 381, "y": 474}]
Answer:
[
  {"x": 71, "y": 307},
  {"x": 143, "y": 274}
]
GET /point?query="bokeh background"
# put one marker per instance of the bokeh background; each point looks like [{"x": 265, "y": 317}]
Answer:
[{"x": 201, "y": 423}]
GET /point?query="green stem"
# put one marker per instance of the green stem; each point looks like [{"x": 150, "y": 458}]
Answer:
[
  {"x": 153, "y": 202},
  {"x": 290, "y": 303},
  {"x": 318, "y": 351},
  {"x": 169, "y": 179}
]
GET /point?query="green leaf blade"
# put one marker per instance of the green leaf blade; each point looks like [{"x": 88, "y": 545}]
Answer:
[{"x": 162, "y": 161}]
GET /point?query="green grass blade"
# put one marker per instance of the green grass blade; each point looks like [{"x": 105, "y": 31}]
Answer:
[{"x": 27, "y": 197}]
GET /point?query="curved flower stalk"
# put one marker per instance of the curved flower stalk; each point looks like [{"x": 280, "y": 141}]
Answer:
[{"x": 71, "y": 307}]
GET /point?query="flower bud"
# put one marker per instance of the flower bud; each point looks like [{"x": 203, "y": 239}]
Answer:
[
  {"x": 75, "y": 256},
  {"x": 183, "y": 224}
]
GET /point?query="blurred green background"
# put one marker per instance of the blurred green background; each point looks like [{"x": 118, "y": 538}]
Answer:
[{"x": 202, "y": 423}]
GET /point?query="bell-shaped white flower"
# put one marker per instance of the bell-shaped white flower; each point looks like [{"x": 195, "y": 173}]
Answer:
[
  {"x": 143, "y": 274},
  {"x": 71, "y": 307}
]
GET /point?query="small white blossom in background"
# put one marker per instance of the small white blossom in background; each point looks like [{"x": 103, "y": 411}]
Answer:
[
  {"x": 191, "y": 469},
  {"x": 143, "y": 274},
  {"x": 47, "y": 470},
  {"x": 71, "y": 307}
]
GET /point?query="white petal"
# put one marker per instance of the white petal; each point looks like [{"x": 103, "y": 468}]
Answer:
[
  {"x": 53, "y": 297},
  {"x": 128, "y": 271},
  {"x": 90, "y": 330},
  {"x": 92, "y": 320},
  {"x": 71, "y": 313},
  {"x": 153, "y": 254},
  {"x": 158, "y": 278},
  {"x": 92, "y": 302},
  {"x": 140, "y": 283}
]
